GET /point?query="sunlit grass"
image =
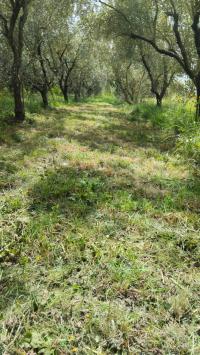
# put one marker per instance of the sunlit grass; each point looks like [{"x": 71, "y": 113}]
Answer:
[{"x": 99, "y": 235}]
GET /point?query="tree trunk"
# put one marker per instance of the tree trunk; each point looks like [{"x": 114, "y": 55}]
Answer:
[
  {"x": 65, "y": 94},
  {"x": 64, "y": 90},
  {"x": 13, "y": 30},
  {"x": 198, "y": 103},
  {"x": 159, "y": 101},
  {"x": 17, "y": 91},
  {"x": 126, "y": 97},
  {"x": 77, "y": 96},
  {"x": 44, "y": 94}
]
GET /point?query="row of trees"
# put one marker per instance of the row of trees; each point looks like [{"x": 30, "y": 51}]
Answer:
[
  {"x": 161, "y": 28},
  {"x": 46, "y": 44},
  {"x": 135, "y": 47}
]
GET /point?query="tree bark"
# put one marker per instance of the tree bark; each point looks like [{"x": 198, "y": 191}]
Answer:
[
  {"x": 77, "y": 96},
  {"x": 13, "y": 30},
  {"x": 65, "y": 94},
  {"x": 158, "y": 101},
  {"x": 44, "y": 94},
  {"x": 198, "y": 103},
  {"x": 17, "y": 92},
  {"x": 66, "y": 98}
]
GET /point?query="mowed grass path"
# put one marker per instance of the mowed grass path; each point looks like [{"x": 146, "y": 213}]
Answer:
[{"x": 100, "y": 237}]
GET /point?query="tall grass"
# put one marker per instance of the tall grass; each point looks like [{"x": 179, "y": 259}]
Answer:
[
  {"x": 176, "y": 120},
  {"x": 32, "y": 104},
  {"x": 6, "y": 105}
]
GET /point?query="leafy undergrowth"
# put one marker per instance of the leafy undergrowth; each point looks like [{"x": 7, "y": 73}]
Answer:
[{"x": 99, "y": 236}]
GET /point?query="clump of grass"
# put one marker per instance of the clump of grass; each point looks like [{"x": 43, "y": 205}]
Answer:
[
  {"x": 6, "y": 105},
  {"x": 177, "y": 121},
  {"x": 32, "y": 103},
  {"x": 174, "y": 117}
]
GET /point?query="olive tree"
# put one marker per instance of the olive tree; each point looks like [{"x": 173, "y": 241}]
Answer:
[
  {"x": 128, "y": 75},
  {"x": 13, "y": 17},
  {"x": 46, "y": 35},
  {"x": 170, "y": 27},
  {"x": 160, "y": 70}
]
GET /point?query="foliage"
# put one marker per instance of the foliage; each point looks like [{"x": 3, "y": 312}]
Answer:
[{"x": 170, "y": 28}]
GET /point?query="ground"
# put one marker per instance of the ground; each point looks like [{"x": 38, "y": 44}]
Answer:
[{"x": 99, "y": 236}]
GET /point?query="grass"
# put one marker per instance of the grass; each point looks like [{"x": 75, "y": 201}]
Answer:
[{"x": 99, "y": 236}]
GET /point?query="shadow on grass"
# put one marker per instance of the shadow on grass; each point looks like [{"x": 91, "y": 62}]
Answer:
[
  {"x": 75, "y": 194},
  {"x": 77, "y": 191},
  {"x": 116, "y": 133},
  {"x": 108, "y": 136},
  {"x": 10, "y": 289},
  {"x": 72, "y": 190},
  {"x": 113, "y": 135}
]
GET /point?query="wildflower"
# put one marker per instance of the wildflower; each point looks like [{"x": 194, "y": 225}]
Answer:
[
  {"x": 71, "y": 338},
  {"x": 74, "y": 350}
]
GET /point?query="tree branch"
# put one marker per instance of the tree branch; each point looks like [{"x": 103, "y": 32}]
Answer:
[
  {"x": 196, "y": 30},
  {"x": 183, "y": 61},
  {"x": 5, "y": 24}
]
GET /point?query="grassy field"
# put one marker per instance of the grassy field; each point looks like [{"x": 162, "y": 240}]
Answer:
[{"x": 99, "y": 236}]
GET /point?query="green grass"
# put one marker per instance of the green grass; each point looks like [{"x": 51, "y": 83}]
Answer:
[
  {"x": 100, "y": 236},
  {"x": 177, "y": 121},
  {"x": 172, "y": 116},
  {"x": 106, "y": 98}
]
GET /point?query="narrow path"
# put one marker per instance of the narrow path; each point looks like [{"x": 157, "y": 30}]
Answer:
[{"x": 100, "y": 238}]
